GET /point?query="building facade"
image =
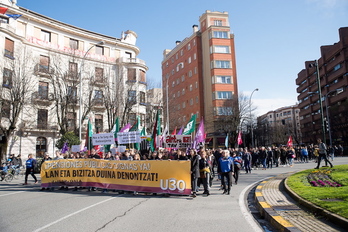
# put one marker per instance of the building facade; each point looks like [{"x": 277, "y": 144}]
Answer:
[
  {"x": 330, "y": 72},
  {"x": 199, "y": 77},
  {"x": 64, "y": 76},
  {"x": 275, "y": 127}
]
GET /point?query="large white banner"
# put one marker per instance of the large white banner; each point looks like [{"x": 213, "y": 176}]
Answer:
[
  {"x": 103, "y": 139},
  {"x": 177, "y": 141},
  {"x": 128, "y": 137}
]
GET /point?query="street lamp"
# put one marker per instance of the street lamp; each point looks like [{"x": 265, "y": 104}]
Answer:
[
  {"x": 251, "y": 124},
  {"x": 315, "y": 64},
  {"x": 80, "y": 87},
  {"x": 167, "y": 103}
]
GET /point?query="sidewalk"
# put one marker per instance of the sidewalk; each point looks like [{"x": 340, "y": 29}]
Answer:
[{"x": 284, "y": 213}]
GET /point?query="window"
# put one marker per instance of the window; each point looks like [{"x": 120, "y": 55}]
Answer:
[
  {"x": 128, "y": 55},
  {"x": 9, "y": 48},
  {"x": 182, "y": 78},
  {"x": 3, "y": 20},
  {"x": 183, "y": 91},
  {"x": 184, "y": 105},
  {"x": 142, "y": 76},
  {"x": 142, "y": 98},
  {"x": 98, "y": 122},
  {"x": 224, "y": 95},
  {"x": 222, "y": 64},
  {"x": 218, "y": 23},
  {"x": 7, "y": 78},
  {"x": 194, "y": 56},
  {"x": 190, "y": 87},
  {"x": 71, "y": 121},
  {"x": 132, "y": 74},
  {"x": 190, "y": 73},
  {"x": 189, "y": 60},
  {"x": 189, "y": 46},
  {"x": 72, "y": 94},
  {"x": 221, "y": 49},
  {"x": 99, "y": 75},
  {"x": 42, "y": 119},
  {"x": 98, "y": 97},
  {"x": 220, "y": 34},
  {"x": 132, "y": 96},
  {"x": 191, "y": 101},
  {"x": 74, "y": 44},
  {"x": 99, "y": 50},
  {"x": 43, "y": 90},
  {"x": 73, "y": 70},
  {"x": 223, "y": 79},
  {"x": 44, "y": 64},
  {"x": 224, "y": 111},
  {"x": 5, "y": 109},
  {"x": 45, "y": 36}
]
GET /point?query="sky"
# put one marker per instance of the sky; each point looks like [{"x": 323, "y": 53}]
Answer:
[{"x": 273, "y": 38}]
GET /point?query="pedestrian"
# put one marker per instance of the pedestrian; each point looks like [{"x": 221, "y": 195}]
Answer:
[
  {"x": 247, "y": 161},
  {"x": 204, "y": 170},
  {"x": 30, "y": 165},
  {"x": 291, "y": 155},
  {"x": 322, "y": 154},
  {"x": 237, "y": 162},
  {"x": 194, "y": 171},
  {"x": 263, "y": 157},
  {"x": 226, "y": 169}
]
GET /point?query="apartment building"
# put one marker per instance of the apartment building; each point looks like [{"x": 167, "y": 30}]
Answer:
[
  {"x": 330, "y": 72},
  {"x": 275, "y": 127},
  {"x": 67, "y": 75},
  {"x": 199, "y": 77}
]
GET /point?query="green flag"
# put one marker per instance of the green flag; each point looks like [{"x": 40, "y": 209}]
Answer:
[
  {"x": 136, "y": 125},
  {"x": 191, "y": 126},
  {"x": 116, "y": 128}
]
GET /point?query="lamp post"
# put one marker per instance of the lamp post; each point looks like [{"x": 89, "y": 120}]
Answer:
[
  {"x": 315, "y": 64},
  {"x": 251, "y": 121},
  {"x": 80, "y": 87},
  {"x": 167, "y": 103}
]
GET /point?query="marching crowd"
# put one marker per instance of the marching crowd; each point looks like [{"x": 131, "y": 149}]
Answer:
[{"x": 206, "y": 164}]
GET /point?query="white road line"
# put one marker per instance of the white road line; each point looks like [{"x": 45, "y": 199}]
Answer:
[
  {"x": 246, "y": 213},
  {"x": 72, "y": 214},
  {"x": 3, "y": 195}
]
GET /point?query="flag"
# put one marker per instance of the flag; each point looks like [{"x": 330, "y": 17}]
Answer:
[
  {"x": 191, "y": 126},
  {"x": 174, "y": 131},
  {"x": 126, "y": 128},
  {"x": 180, "y": 131},
  {"x": 3, "y": 10},
  {"x": 89, "y": 135},
  {"x": 239, "y": 140},
  {"x": 165, "y": 133},
  {"x": 155, "y": 132},
  {"x": 136, "y": 125},
  {"x": 290, "y": 141},
  {"x": 116, "y": 128},
  {"x": 14, "y": 16},
  {"x": 226, "y": 141},
  {"x": 200, "y": 135},
  {"x": 65, "y": 148}
]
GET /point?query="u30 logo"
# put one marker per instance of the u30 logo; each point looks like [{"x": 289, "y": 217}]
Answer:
[{"x": 172, "y": 184}]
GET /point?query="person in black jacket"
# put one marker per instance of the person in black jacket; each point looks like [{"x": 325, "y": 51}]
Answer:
[
  {"x": 204, "y": 170},
  {"x": 194, "y": 171}
]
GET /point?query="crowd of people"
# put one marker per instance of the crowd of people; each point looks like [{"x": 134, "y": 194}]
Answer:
[{"x": 206, "y": 164}]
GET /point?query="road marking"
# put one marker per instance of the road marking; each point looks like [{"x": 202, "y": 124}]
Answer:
[
  {"x": 11, "y": 193},
  {"x": 72, "y": 214}
]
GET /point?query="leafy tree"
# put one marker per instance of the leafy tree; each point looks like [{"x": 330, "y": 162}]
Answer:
[{"x": 68, "y": 137}]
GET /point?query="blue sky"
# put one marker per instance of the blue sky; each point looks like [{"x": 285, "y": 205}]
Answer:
[{"x": 273, "y": 38}]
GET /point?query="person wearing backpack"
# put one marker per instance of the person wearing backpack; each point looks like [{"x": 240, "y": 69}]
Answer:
[{"x": 30, "y": 165}]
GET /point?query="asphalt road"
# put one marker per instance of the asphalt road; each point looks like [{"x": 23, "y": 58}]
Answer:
[{"x": 25, "y": 208}]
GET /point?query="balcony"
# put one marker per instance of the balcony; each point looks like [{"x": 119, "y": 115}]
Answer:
[
  {"x": 40, "y": 98},
  {"x": 43, "y": 70}
]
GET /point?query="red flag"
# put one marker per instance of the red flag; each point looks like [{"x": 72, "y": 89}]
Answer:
[
  {"x": 3, "y": 10},
  {"x": 174, "y": 132},
  {"x": 290, "y": 141},
  {"x": 239, "y": 140}
]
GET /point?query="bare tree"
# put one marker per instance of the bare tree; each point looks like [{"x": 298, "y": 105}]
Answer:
[{"x": 15, "y": 92}]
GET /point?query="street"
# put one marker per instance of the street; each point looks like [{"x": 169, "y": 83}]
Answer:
[{"x": 25, "y": 208}]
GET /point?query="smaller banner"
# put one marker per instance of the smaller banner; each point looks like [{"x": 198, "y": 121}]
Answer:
[
  {"x": 128, "y": 137},
  {"x": 103, "y": 139},
  {"x": 177, "y": 141},
  {"x": 75, "y": 148}
]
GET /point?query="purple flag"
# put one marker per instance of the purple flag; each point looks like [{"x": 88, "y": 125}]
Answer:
[
  {"x": 200, "y": 132},
  {"x": 180, "y": 131},
  {"x": 126, "y": 128},
  {"x": 65, "y": 148}
]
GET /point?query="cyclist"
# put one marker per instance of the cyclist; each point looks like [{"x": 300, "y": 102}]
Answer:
[{"x": 3, "y": 170}]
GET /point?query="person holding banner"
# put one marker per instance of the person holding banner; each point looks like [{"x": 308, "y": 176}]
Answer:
[{"x": 194, "y": 171}]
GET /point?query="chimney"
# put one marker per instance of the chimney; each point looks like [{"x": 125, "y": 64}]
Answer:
[
  {"x": 195, "y": 28},
  {"x": 177, "y": 42}
]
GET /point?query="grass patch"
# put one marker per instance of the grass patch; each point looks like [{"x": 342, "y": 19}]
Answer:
[{"x": 334, "y": 199}]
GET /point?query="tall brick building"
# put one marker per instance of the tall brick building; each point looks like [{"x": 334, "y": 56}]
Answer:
[
  {"x": 199, "y": 76},
  {"x": 333, "y": 72}
]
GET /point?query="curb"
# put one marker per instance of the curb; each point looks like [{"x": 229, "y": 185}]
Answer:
[
  {"x": 334, "y": 218},
  {"x": 269, "y": 213}
]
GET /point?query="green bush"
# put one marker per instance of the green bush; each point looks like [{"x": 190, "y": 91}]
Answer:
[{"x": 68, "y": 137}]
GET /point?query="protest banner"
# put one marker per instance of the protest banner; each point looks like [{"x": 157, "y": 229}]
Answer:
[
  {"x": 177, "y": 141},
  {"x": 156, "y": 176},
  {"x": 128, "y": 137},
  {"x": 103, "y": 139},
  {"x": 75, "y": 148}
]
